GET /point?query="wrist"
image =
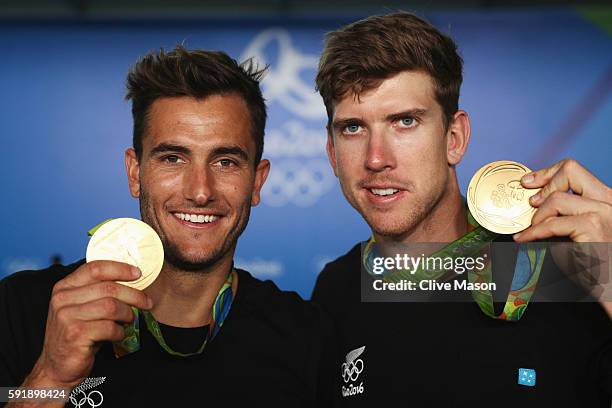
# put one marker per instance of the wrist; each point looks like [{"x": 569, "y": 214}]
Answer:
[{"x": 40, "y": 377}]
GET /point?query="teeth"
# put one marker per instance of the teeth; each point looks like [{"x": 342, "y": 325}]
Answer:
[
  {"x": 384, "y": 191},
  {"x": 197, "y": 218}
]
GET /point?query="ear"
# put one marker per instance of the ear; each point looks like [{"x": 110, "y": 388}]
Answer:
[
  {"x": 457, "y": 137},
  {"x": 132, "y": 168},
  {"x": 331, "y": 151},
  {"x": 261, "y": 174}
]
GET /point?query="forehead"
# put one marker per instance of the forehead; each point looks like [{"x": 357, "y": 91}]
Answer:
[
  {"x": 402, "y": 91},
  {"x": 216, "y": 119}
]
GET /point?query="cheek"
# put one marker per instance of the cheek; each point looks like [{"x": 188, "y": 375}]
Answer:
[
  {"x": 347, "y": 174},
  {"x": 160, "y": 183},
  {"x": 349, "y": 159},
  {"x": 428, "y": 148},
  {"x": 422, "y": 160},
  {"x": 167, "y": 182},
  {"x": 236, "y": 189}
]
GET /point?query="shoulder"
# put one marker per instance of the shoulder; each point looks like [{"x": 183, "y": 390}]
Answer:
[
  {"x": 338, "y": 273},
  {"x": 345, "y": 263},
  {"x": 266, "y": 300},
  {"x": 24, "y": 304},
  {"x": 337, "y": 288},
  {"x": 27, "y": 293},
  {"x": 35, "y": 282}
]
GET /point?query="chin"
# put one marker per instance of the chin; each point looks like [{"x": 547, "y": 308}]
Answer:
[
  {"x": 192, "y": 259},
  {"x": 191, "y": 264},
  {"x": 393, "y": 226},
  {"x": 391, "y": 231}
]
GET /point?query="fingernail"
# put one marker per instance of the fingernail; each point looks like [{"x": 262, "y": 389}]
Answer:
[
  {"x": 528, "y": 178},
  {"x": 135, "y": 272},
  {"x": 149, "y": 302},
  {"x": 535, "y": 198},
  {"x": 516, "y": 236}
]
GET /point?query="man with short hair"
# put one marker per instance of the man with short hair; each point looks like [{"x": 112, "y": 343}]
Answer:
[
  {"x": 391, "y": 86},
  {"x": 196, "y": 168}
]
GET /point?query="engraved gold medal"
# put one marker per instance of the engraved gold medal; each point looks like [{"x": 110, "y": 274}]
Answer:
[
  {"x": 498, "y": 201},
  {"x": 129, "y": 241}
]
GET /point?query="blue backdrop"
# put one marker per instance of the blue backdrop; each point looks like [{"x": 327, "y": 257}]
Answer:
[{"x": 537, "y": 87}]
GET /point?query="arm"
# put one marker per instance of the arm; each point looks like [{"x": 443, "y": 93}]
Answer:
[{"x": 86, "y": 308}]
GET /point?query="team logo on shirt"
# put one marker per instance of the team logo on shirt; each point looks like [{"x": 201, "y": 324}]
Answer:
[
  {"x": 527, "y": 376},
  {"x": 351, "y": 369},
  {"x": 82, "y": 396}
]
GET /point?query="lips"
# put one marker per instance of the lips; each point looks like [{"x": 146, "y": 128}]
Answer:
[
  {"x": 196, "y": 219},
  {"x": 383, "y": 194}
]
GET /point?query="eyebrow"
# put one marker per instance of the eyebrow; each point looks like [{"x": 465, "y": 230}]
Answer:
[
  {"x": 231, "y": 150},
  {"x": 169, "y": 147},
  {"x": 219, "y": 151},
  {"x": 341, "y": 123},
  {"x": 418, "y": 112}
]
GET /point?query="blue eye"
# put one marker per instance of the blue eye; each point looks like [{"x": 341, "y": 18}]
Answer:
[
  {"x": 408, "y": 122},
  {"x": 352, "y": 128}
]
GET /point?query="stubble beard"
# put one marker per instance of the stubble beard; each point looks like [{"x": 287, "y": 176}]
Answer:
[
  {"x": 401, "y": 226},
  {"x": 398, "y": 227},
  {"x": 172, "y": 253}
]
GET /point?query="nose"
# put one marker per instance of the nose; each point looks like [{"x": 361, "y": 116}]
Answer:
[
  {"x": 379, "y": 152},
  {"x": 198, "y": 185}
]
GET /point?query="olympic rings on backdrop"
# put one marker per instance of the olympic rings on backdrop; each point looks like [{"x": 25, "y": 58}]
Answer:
[{"x": 298, "y": 183}]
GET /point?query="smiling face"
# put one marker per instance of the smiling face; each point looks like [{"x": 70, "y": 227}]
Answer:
[
  {"x": 392, "y": 153},
  {"x": 196, "y": 179}
]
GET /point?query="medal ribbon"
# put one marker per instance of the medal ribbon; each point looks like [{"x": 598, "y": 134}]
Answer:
[
  {"x": 221, "y": 308},
  {"x": 530, "y": 259}
]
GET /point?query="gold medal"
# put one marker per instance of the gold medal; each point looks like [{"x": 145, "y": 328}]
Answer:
[
  {"x": 129, "y": 241},
  {"x": 498, "y": 201}
]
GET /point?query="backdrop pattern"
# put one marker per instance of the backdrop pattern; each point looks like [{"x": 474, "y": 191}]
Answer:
[{"x": 537, "y": 87}]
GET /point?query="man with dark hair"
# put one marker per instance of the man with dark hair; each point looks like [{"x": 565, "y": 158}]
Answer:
[
  {"x": 196, "y": 169},
  {"x": 395, "y": 134},
  {"x": 172, "y": 74}
]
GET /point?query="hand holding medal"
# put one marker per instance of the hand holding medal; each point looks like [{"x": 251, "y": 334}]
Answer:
[
  {"x": 572, "y": 203},
  {"x": 563, "y": 200},
  {"x": 91, "y": 304}
]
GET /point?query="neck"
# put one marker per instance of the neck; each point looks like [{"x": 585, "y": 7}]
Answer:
[
  {"x": 445, "y": 222},
  {"x": 184, "y": 298}
]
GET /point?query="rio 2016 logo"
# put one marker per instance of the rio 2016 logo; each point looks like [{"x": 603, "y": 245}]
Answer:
[{"x": 351, "y": 369}]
